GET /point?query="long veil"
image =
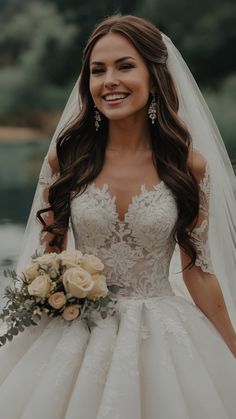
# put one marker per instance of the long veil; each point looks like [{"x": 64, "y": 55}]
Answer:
[{"x": 207, "y": 139}]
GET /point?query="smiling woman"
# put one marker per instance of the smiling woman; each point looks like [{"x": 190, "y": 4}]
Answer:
[
  {"x": 123, "y": 183},
  {"x": 126, "y": 76}
]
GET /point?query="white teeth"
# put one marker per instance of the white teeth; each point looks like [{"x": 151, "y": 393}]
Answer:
[{"x": 115, "y": 97}]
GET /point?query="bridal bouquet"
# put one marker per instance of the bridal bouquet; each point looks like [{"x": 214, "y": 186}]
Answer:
[{"x": 68, "y": 284}]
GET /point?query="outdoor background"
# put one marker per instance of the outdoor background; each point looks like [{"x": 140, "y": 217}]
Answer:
[{"x": 41, "y": 45}]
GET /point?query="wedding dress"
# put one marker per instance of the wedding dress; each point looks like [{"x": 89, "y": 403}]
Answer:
[{"x": 159, "y": 357}]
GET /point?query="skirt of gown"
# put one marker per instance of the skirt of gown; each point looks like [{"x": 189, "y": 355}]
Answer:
[{"x": 158, "y": 358}]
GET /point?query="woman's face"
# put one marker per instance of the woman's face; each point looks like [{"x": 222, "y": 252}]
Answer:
[{"x": 119, "y": 78}]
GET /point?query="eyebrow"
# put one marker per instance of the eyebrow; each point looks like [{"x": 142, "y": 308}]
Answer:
[{"x": 116, "y": 61}]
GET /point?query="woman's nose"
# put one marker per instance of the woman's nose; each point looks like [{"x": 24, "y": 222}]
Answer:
[{"x": 111, "y": 81}]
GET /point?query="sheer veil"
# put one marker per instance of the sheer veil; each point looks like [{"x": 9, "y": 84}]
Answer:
[{"x": 207, "y": 139}]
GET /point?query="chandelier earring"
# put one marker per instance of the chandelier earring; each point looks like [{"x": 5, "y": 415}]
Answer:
[
  {"x": 153, "y": 108},
  {"x": 97, "y": 118}
]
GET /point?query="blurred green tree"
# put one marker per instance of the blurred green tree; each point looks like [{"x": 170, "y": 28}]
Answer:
[
  {"x": 41, "y": 47},
  {"x": 79, "y": 13},
  {"x": 35, "y": 61},
  {"x": 204, "y": 32}
]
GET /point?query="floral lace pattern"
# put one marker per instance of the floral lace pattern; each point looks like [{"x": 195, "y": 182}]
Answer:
[
  {"x": 47, "y": 177},
  {"x": 137, "y": 251},
  {"x": 200, "y": 232}
]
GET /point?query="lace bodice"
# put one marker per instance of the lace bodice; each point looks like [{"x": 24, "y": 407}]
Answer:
[{"x": 137, "y": 251}]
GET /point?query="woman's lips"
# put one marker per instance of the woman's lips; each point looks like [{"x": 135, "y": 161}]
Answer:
[{"x": 115, "y": 101}]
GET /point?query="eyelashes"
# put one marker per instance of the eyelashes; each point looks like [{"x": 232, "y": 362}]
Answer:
[{"x": 122, "y": 67}]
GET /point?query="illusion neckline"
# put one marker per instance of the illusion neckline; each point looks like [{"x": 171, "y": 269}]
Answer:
[{"x": 142, "y": 189}]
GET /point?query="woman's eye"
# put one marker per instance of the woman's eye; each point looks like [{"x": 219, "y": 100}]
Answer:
[
  {"x": 122, "y": 67},
  {"x": 96, "y": 70},
  {"x": 126, "y": 66}
]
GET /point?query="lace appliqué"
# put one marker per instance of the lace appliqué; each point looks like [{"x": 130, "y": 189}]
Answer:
[
  {"x": 205, "y": 190},
  {"x": 136, "y": 252},
  {"x": 199, "y": 236},
  {"x": 200, "y": 232},
  {"x": 47, "y": 177},
  {"x": 170, "y": 324}
]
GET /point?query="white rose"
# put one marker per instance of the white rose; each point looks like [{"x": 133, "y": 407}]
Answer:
[
  {"x": 40, "y": 286},
  {"x": 50, "y": 262},
  {"x": 99, "y": 289},
  {"x": 47, "y": 258},
  {"x": 77, "y": 282},
  {"x": 57, "y": 300},
  {"x": 31, "y": 272},
  {"x": 92, "y": 264},
  {"x": 71, "y": 258},
  {"x": 71, "y": 312}
]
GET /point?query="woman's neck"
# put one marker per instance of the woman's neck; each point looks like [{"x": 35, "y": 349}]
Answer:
[{"x": 129, "y": 137}]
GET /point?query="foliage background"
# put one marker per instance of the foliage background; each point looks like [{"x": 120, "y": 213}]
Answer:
[{"x": 42, "y": 41}]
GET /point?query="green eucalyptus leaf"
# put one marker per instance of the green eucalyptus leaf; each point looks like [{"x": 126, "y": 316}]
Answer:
[
  {"x": 114, "y": 288},
  {"x": 103, "y": 314},
  {"x": 14, "y": 331},
  {"x": 3, "y": 339},
  {"x": 27, "y": 322},
  {"x": 9, "y": 336},
  {"x": 104, "y": 301},
  {"x": 20, "y": 327},
  {"x": 5, "y": 311}
]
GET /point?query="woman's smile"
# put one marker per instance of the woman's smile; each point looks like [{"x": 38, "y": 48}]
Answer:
[{"x": 115, "y": 98}]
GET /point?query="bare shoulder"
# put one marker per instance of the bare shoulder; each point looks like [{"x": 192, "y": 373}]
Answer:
[
  {"x": 197, "y": 162},
  {"x": 53, "y": 160}
]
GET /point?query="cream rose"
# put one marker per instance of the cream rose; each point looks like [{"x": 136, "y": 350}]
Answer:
[
  {"x": 77, "y": 282},
  {"x": 71, "y": 312},
  {"x": 50, "y": 262},
  {"x": 57, "y": 300},
  {"x": 40, "y": 286},
  {"x": 47, "y": 258},
  {"x": 31, "y": 272},
  {"x": 92, "y": 264},
  {"x": 71, "y": 258},
  {"x": 99, "y": 289}
]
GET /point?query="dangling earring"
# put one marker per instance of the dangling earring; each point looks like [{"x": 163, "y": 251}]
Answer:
[
  {"x": 153, "y": 108},
  {"x": 97, "y": 118}
]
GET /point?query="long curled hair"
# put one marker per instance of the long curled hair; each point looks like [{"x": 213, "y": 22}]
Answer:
[{"x": 81, "y": 150}]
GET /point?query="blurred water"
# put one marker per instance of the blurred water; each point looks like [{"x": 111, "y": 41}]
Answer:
[
  {"x": 19, "y": 169},
  {"x": 10, "y": 243}
]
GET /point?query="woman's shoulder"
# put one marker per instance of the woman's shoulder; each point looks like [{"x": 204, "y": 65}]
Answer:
[
  {"x": 197, "y": 163},
  {"x": 53, "y": 160}
]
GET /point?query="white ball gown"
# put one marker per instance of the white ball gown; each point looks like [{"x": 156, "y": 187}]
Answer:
[{"x": 158, "y": 358}]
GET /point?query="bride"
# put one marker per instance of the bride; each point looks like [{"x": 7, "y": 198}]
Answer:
[{"x": 137, "y": 175}]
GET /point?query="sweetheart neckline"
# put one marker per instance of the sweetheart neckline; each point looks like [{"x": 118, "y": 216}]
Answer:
[{"x": 142, "y": 189}]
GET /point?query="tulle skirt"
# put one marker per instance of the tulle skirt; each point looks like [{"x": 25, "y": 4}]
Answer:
[{"x": 157, "y": 358}]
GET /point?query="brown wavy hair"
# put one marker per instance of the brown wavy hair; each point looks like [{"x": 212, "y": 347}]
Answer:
[{"x": 81, "y": 150}]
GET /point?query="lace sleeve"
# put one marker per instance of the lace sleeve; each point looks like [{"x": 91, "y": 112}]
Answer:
[
  {"x": 200, "y": 232},
  {"x": 47, "y": 177}
]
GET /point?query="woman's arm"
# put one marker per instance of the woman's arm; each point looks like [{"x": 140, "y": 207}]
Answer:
[
  {"x": 206, "y": 293},
  {"x": 48, "y": 217},
  {"x": 200, "y": 280}
]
